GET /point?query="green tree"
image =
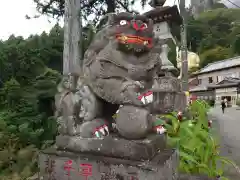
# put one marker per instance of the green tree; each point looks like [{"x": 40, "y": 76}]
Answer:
[
  {"x": 27, "y": 89},
  {"x": 215, "y": 54},
  {"x": 236, "y": 45},
  {"x": 96, "y": 8},
  {"x": 215, "y": 35}
]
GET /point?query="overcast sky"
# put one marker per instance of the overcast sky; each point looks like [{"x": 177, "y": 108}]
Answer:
[
  {"x": 233, "y": 4},
  {"x": 13, "y": 21}
]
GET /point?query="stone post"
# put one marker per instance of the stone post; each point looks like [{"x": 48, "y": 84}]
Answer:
[
  {"x": 184, "y": 53},
  {"x": 72, "y": 40}
]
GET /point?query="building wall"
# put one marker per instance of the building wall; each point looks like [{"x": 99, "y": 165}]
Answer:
[
  {"x": 231, "y": 91},
  {"x": 218, "y": 76},
  {"x": 193, "y": 82},
  {"x": 204, "y": 95}
]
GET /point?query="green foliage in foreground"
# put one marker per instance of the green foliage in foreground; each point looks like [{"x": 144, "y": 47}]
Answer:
[
  {"x": 238, "y": 102},
  {"x": 198, "y": 148}
]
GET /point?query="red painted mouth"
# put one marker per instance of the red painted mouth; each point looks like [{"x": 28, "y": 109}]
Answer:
[{"x": 130, "y": 39}]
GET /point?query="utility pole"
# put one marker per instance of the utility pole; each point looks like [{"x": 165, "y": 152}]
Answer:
[
  {"x": 184, "y": 52},
  {"x": 72, "y": 52},
  {"x": 81, "y": 36}
]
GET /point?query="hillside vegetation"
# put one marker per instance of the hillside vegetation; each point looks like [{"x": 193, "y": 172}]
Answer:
[{"x": 215, "y": 35}]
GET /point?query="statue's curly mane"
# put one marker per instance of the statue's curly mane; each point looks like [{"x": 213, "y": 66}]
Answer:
[{"x": 100, "y": 40}]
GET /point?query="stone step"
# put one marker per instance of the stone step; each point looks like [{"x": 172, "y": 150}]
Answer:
[{"x": 63, "y": 165}]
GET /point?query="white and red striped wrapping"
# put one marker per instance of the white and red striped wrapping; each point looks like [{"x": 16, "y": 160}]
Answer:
[{"x": 146, "y": 98}]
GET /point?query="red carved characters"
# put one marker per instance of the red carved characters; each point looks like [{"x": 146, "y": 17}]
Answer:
[
  {"x": 85, "y": 170},
  {"x": 132, "y": 178},
  {"x": 68, "y": 167}
]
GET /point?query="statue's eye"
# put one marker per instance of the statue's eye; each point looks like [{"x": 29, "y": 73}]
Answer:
[{"x": 123, "y": 22}]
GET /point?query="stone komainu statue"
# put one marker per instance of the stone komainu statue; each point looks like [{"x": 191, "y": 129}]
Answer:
[{"x": 118, "y": 71}]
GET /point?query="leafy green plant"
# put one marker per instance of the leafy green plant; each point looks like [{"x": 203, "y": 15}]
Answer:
[
  {"x": 238, "y": 103},
  {"x": 198, "y": 149}
]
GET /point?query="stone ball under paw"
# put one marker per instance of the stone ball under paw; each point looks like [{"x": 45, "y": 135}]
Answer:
[{"x": 133, "y": 122}]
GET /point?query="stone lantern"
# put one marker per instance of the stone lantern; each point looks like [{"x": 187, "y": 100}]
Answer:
[
  {"x": 167, "y": 95},
  {"x": 167, "y": 92},
  {"x": 164, "y": 17}
]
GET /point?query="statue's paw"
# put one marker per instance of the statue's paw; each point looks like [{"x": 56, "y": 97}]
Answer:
[
  {"x": 146, "y": 98},
  {"x": 96, "y": 128},
  {"x": 132, "y": 85},
  {"x": 160, "y": 129},
  {"x": 139, "y": 84},
  {"x": 101, "y": 131},
  {"x": 119, "y": 108}
]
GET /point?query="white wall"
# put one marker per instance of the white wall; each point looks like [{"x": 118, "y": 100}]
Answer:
[{"x": 232, "y": 72}]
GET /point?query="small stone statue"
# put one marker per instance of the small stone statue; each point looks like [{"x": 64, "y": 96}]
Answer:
[{"x": 193, "y": 60}]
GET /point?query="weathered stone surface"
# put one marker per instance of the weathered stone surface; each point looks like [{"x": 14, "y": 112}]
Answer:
[
  {"x": 166, "y": 84},
  {"x": 166, "y": 102},
  {"x": 167, "y": 95},
  {"x": 114, "y": 146},
  {"x": 133, "y": 122},
  {"x": 180, "y": 101},
  {"x": 59, "y": 165}
]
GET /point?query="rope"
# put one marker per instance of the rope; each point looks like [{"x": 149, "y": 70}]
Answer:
[{"x": 233, "y": 4}]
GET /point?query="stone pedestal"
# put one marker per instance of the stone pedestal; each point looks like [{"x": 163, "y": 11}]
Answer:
[
  {"x": 64, "y": 165},
  {"x": 114, "y": 146}
]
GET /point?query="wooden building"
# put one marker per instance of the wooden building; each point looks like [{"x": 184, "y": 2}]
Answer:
[{"x": 217, "y": 81}]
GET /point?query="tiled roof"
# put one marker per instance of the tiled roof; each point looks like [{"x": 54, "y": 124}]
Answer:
[
  {"x": 230, "y": 79},
  {"x": 227, "y": 63},
  {"x": 198, "y": 88},
  {"x": 230, "y": 82}
]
